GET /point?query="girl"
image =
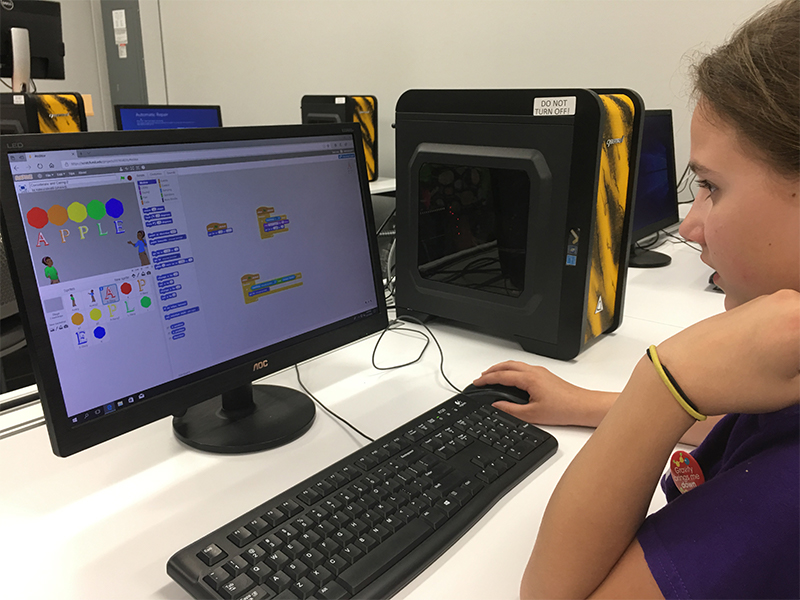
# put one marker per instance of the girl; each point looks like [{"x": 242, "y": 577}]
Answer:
[{"x": 737, "y": 534}]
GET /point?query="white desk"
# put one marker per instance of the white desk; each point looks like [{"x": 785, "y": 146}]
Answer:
[{"x": 103, "y": 523}]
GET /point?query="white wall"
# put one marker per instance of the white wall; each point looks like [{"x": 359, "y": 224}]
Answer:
[{"x": 257, "y": 58}]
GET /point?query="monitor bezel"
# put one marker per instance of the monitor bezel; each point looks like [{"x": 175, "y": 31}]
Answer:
[
  {"x": 118, "y": 108},
  {"x": 67, "y": 439},
  {"x": 639, "y": 234}
]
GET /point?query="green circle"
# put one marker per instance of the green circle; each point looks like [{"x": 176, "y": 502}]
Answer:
[
  {"x": 146, "y": 302},
  {"x": 96, "y": 209}
]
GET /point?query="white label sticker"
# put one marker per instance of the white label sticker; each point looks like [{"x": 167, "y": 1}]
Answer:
[
  {"x": 554, "y": 107},
  {"x": 19, "y": 99},
  {"x": 118, "y": 18},
  {"x": 121, "y": 36},
  {"x": 123, "y": 51},
  {"x": 340, "y": 100}
]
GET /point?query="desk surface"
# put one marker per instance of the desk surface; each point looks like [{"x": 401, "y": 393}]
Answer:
[{"x": 103, "y": 523}]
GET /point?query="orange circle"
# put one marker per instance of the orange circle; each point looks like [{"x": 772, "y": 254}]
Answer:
[
  {"x": 57, "y": 215},
  {"x": 77, "y": 318}
]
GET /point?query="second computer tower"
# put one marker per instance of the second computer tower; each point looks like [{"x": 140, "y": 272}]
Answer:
[{"x": 513, "y": 210}]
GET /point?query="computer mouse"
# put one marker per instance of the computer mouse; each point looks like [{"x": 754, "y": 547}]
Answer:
[{"x": 495, "y": 391}]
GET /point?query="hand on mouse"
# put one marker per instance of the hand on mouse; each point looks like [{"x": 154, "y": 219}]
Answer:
[{"x": 553, "y": 401}]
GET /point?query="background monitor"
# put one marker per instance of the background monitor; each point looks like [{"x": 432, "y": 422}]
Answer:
[
  {"x": 160, "y": 273},
  {"x": 134, "y": 117},
  {"x": 42, "y": 22},
  {"x": 656, "y": 205}
]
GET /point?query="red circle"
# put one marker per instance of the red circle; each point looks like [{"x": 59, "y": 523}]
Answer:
[
  {"x": 37, "y": 217},
  {"x": 125, "y": 288}
]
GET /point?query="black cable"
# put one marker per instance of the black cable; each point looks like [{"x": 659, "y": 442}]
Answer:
[
  {"x": 683, "y": 241},
  {"x": 327, "y": 410},
  {"x": 396, "y": 325},
  {"x": 435, "y": 341}
]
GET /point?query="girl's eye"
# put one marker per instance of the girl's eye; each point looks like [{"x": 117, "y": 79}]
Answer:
[{"x": 704, "y": 183}]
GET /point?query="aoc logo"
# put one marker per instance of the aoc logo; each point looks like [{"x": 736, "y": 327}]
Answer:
[
  {"x": 613, "y": 141},
  {"x": 260, "y": 365},
  {"x": 76, "y": 212}
]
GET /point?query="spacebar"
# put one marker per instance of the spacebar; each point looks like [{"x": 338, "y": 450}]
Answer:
[{"x": 363, "y": 572}]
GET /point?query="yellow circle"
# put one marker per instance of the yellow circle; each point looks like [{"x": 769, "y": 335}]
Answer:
[
  {"x": 77, "y": 318},
  {"x": 77, "y": 212},
  {"x": 95, "y": 314},
  {"x": 57, "y": 215}
]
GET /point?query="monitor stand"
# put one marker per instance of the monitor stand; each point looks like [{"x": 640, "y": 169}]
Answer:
[
  {"x": 647, "y": 259},
  {"x": 248, "y": 418}
]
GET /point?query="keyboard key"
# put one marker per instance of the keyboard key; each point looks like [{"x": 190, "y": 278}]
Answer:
[
  {"x": 258, "y": 593},
  {"x": 212, "y": 554},
  {"x": 259, "y": 572},
  {"x": 366, "y": 570},
  {"x": 279, "y": 581},
  {"x": 217, "y": 578},
  {"x": 274, "y": 517},
  {"x": 296, "y": 569},
  {"x": 236, "y": 565},
  {"x": 332, "y": 591},
  {"x": 258, "y": 526},
  {"x": 237, "y": 587},
  {"x": 303, "y": 589},
  {"x": 320, "y": 576},
  {"x": 290, "y": 507}
]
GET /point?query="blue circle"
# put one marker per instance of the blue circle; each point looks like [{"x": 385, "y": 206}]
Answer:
[
  {"x": 114, "y": 208},
  {"x": 99, "y": 333}
]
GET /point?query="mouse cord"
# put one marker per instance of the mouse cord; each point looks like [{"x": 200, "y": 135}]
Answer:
[
  {"x": 397, "y": 325},
  {"x": 327, "y": 410}
]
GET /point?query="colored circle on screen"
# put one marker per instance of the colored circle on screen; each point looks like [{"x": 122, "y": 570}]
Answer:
[
  {"x": 114, "y": 208},
  {"x": 77, "y": 212},
  {"x": 99, "y": 332},
  {"x": 96, "y": 209},
  {"x": 77, "y": 318},
  {"x": 57, "y": 215},
  {"x": 37, "y": 217},
  {"x": 125, "y": 288},
  {"x": 146, "y": 302},
  {"x": 95, "y": 314}
]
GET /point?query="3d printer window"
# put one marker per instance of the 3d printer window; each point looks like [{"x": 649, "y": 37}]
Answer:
[{"x": 473, "y": 227}]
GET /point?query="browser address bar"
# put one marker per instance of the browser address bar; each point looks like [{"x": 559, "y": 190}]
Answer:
[
  {"x": 101, "y": 162},
  {"x": 199, "y": 154}
]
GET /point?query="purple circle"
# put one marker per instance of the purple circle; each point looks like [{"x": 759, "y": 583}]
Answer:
[
  {"x": 114, "y": 208},
  {"x": 99, "y": 333}
]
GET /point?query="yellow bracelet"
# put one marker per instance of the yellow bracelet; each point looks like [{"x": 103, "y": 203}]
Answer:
[{"x": 673, "y": 386}]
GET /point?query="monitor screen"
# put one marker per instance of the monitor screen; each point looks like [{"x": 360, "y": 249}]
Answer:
[
  {"x": 42, "y": 19},
  {"x": 132, "y": 117},
  {"x": 158, "y": 270},
  {"x": 656, "y": 205}
]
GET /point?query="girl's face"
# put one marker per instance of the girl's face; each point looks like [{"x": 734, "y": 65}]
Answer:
[{"x": 745, "y": 217}]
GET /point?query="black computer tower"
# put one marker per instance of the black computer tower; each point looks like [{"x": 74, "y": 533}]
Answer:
[{"x": 513, "y": 210}]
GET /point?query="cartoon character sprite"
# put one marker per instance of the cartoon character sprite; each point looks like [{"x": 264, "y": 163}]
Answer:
[
  {"x": 141, "y": 246},
  {"x": 72, "y": 297},
  {"x": 92, "y": 295},
  {"x": 49, "y": 270}
]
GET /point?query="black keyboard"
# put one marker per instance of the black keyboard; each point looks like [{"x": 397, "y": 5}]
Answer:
[{"x": 368, "y": 524}]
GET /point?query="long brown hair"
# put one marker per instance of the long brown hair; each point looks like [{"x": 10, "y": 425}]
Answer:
[{"x": 752, "y": 83}]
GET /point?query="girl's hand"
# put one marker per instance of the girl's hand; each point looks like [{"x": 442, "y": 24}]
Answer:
[{"x": 553, "y": 401}]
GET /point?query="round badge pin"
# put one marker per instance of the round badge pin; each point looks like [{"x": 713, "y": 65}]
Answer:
[{"x": 686, "y": 471}]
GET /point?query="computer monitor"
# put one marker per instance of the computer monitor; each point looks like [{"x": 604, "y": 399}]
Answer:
[
  {"x": 134, "y": 117},
  {"x": 656, "y": 205},
  {"x": 160, "y": 273},
  {"x": 31, "y": 43}
]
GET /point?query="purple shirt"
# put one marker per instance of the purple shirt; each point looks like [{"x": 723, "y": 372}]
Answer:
[{"x": 738, "y": 534}]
